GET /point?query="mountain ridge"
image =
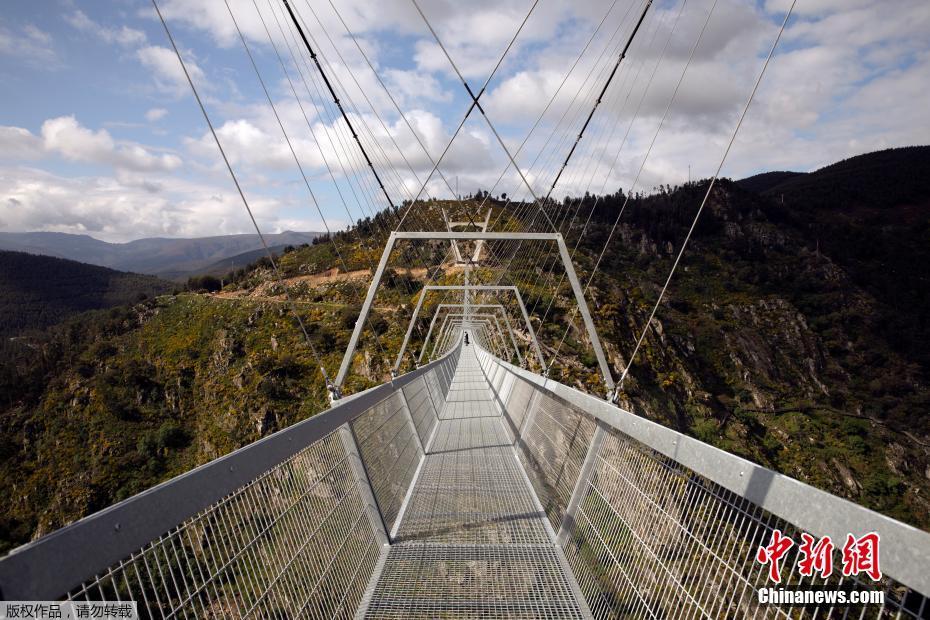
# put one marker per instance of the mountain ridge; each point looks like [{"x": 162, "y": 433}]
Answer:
[
  {"x": 174, "y": 258},
  {"x": 37, "y": 291},
  {"x": 781, "y": 340}
]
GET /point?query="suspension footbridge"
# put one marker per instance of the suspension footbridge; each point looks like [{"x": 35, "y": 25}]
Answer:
[{"x": 470, "y": 484}]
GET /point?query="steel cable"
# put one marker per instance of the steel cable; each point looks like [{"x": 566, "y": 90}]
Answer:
[{"x": 710, "y": 188}]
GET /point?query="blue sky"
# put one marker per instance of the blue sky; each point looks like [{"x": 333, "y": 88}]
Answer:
[{"x": 99, "y": 133}]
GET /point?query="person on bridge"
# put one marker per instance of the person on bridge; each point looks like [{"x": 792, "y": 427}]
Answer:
[{"x": 466, "y": 339}]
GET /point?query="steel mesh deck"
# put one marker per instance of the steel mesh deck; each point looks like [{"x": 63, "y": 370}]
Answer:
[
  {"x": 473, "y": 540},
  {"x": 463, "y": 581}
]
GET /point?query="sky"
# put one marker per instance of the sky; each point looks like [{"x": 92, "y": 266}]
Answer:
[{"x": 100, "y": 133}]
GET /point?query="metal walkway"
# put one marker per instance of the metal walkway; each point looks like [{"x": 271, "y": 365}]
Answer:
[
  {"x": 468, "y": 488},
  {"x": 472, "y": 537}
]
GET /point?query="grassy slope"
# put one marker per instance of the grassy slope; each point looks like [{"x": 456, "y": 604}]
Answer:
[{"x": 767, "y": 346}]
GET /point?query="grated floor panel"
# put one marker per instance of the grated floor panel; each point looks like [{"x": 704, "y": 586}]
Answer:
[
  {"x": 463, "y": 581},
  {"x": 472, "y": 541}
]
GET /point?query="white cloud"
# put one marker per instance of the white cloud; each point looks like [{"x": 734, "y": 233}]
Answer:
[
  {"x": 68, "y": 138},
  {"x": 64, "y": 136},
  {"x": 123, "y": 35},
  {"x": 837, "y": 87},
  {"x": 413, "y": 86},
  {"x": 156, "y": 114},
  {"x": 167, "y": 71},
  {"x": 17, "y": 143},
  {"x": 845, "y": 80},
  {"x": 133, "y": 206},
  {"x": 30, "y": 44}
]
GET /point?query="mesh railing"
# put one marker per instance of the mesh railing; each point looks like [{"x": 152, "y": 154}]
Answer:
[
  {"x": 654, "y": 539},
  {"x": 553, "y": 447},
  {"x": 296, "y": 542},
  {"x": 434, "y": 390},
  {"x": 421, "y": 409},
  {"x": 652, "y": 524},
  {"x": 647, "y": 535},
  {"x": 389, "y": 448},
  {"x": 518, "y": 398},
  {"x": 290, "y": 526}
]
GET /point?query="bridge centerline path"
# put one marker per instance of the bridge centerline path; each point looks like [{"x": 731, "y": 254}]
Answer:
[{"x": 473, "y": 538}]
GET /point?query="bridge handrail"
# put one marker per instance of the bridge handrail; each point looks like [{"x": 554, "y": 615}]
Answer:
[
  {"x": 53, "y": 565},
  {"x": 905, "y": 550}
]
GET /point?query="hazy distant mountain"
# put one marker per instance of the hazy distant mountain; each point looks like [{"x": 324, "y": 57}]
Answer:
[
  {"x": 226, "y": 265},
  {"x": 172, "y": 258},
  {"x": 38, "y": 291}
]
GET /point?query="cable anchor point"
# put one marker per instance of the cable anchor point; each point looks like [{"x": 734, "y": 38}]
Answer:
[{"x": 334, "y": 393}]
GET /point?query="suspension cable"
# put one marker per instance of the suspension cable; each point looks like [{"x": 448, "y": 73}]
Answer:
[
  {"x": 474, "y": 101},
  {"x": 592, "y": 159},
  {"x": 642, "y": 166},
  {"x": 245, "y": 202},
  {"x": 365, "y": 189},
  {"x": 548, "y": 249},
  {"x": 396, "y": 107},
  {"x": 710, "y": 188},
  {"x": 600, "y": 97},
  {"x": 338, "y": 103},
  {"x": 521, "y": 210},
  {"x": 623, "y": 142},
  {"x": 293, "y": 152},
  {"x": 546, "y": 108},
  {"x": 401, "y": 187},
  {"x": 466, "y": 212},
  {"x": 512, "y": 161}
]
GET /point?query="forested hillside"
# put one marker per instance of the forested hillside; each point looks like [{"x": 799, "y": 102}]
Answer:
[
  {"x": 38, "y": 291},
  {"x": 794, "y": 334}
]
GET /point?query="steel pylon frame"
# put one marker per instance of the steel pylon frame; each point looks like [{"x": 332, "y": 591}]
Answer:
[
  {"x": 475, "y": 287},
  {"x": 489, "y": 318},
  {"x": 460, "y": 321},
  {"x": 475, "y": 236},
  {"x": 478, "y": 245},
  {"x": 485, "y": 288},
  {"x": 443, "y": 306}
]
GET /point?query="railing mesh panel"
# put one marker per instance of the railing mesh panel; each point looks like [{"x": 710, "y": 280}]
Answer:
[
  {"x": 390, "y": 452},
  {"x": 518, "y": 403},
  {"x": 653, "y": 540},
  {"x": 435, "y": 389},
  {"x": 296, "y": 542},
  {"x": 421, "y": 408},
  {"x": 647, "y": 538},
  {"x": 553, "y": 448},
  {"x": 444, "y": 373}
]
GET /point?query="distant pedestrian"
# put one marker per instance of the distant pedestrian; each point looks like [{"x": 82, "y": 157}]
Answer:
[{"x": 466, "y": 339}]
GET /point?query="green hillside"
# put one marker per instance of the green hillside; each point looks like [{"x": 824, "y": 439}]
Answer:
[
  {"x": 779, "y": 340},
  {"x": 38, "y": 291}
]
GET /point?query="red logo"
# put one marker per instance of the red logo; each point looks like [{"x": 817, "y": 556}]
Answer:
[
  {"x": 859, "y": 555},
  {"x": 771, "y": 554},
  {"x": 816, "y": 557}
]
